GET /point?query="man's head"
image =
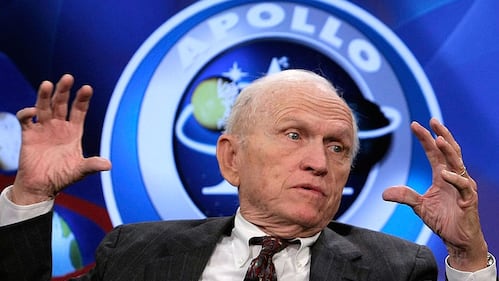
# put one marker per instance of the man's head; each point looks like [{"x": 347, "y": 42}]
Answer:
[{"x": 288, "y": 146}]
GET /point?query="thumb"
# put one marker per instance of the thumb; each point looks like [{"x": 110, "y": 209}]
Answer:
[
  {"x": 401, "y": 194},
  {"x": 95, "y": 164}
]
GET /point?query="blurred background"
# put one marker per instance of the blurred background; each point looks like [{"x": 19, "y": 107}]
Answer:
[{"x": 164, "y": 74}]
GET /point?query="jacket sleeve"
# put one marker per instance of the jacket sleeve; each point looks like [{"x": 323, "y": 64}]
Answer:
[
  {"x": 26, "y": 249},
  {"x": 425, "y": 266}
]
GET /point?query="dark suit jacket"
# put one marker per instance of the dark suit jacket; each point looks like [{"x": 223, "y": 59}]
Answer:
[{"x": 179, "y": 250}]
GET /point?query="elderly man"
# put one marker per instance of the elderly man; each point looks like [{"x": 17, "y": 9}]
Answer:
[{"x": 288, "y": 146}]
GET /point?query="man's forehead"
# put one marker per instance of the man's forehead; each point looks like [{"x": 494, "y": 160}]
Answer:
[{"x": 297, "y": 91}]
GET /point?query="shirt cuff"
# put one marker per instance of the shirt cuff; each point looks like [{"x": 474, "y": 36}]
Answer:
[
  {"x": 11, "y": 213},
  {"x": 485, "y": 274}
]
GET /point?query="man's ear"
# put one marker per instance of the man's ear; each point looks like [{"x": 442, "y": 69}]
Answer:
[{"x": 227, "y": 153}]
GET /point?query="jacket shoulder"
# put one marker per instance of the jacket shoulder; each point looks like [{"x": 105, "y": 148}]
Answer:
[
  {"x": 371, "y": 238},
  {"x": 385, "y": 254}
]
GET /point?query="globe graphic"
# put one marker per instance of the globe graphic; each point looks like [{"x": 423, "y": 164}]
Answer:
[
  {"x": 208, "y": 104},
  {"x": 66, "y": 256},
  {"x": 209, "y": 98}
]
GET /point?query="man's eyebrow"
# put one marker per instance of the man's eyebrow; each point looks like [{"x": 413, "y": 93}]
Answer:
[
  {"x": 293, "y": 122},
  {"x": 340, "y": 132}
]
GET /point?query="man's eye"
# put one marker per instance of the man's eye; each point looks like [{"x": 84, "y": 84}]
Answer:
[
  {"x": 336, "y": 148},
  {"x": 294, "y": 136}
]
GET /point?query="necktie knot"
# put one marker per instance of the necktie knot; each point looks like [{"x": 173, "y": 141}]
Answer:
[
  {"x": 262, "y": 267},
  {"x": 270, "y": 245}
]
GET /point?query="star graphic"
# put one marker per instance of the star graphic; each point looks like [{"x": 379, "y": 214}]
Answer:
[{"x": 235, "y": 73}]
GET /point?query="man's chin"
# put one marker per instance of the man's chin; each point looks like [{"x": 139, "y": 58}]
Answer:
[{"x": 310, "y": 218}]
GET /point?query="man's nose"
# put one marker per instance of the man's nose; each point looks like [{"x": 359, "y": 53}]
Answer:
[{"x": 315, "y": 159}]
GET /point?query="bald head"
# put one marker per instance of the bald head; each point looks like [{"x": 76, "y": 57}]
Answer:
[{"x": 264, "y": 94}]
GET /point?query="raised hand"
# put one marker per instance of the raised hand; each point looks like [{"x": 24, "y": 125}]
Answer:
[
  {"x": 450, "y": 205},
  {"x": 51, "y": 153}
]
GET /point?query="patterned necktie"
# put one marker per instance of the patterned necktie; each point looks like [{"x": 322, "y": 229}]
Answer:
[{"x": 262, "y": 268}]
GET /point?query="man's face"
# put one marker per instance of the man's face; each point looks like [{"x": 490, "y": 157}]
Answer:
[{"x": 294, "y": 163}]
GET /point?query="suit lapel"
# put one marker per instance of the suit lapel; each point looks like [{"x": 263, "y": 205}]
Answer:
[
  {"x": 335, "y": 258},
  {"x": 181, "y": 266},
  {"x": 188, "y": 252}
]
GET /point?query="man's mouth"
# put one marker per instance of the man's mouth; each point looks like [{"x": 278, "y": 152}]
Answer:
[{"x": 312, "y": 188}]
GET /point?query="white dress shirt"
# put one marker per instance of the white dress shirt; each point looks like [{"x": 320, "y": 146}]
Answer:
[
  {"x": 11, "y": 213},
  {"x": 232, "y": 255}
]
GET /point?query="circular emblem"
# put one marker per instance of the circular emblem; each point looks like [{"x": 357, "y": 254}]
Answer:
[{"x": 168, "y": 107}]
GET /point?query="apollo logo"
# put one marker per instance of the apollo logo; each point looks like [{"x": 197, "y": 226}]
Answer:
[
  {"x": 168, "y": 107},
  {"x": 293, "y": 19}
]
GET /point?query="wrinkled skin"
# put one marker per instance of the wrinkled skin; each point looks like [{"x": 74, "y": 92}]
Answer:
[
  {"x": 299, "y": 157},
  {"x": 450, "y": 205},
  {"x": 294, "y": 163},
  {"x": 51, "y": 154}
]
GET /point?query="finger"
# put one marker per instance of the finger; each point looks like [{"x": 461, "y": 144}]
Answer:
[
  {"x": 427, "y": 142},
  {"x": 42, "y": 105},
  {"x": 61, "y": 97},
  {"x": 452, "y": 157},
  {"x": 449, "y": 147},
  {"x": 424, "y": 136},
  {"x": 402, "y": 194},
  {"x": 80, "y": 104},
  {"x": 466, "y": 186},
  {"x": 441, "y": 130},
  {"x": 25, "y": 117}
]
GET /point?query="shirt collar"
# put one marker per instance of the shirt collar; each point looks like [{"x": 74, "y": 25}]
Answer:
[{"x": 244, "y": 230}]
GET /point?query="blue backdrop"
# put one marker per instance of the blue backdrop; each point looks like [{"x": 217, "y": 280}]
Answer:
[{"x": 400, "y": 60}]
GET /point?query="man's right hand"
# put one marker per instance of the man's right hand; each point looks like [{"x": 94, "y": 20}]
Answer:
[{"x": 51, "y": 152}]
